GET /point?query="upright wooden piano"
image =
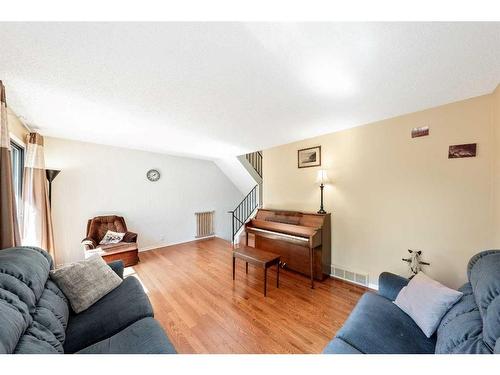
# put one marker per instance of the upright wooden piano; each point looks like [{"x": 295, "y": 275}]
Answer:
[{"x": 303, "y": 240}]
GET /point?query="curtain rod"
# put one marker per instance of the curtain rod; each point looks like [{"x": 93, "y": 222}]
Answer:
[{"x": 21, "y": 120}]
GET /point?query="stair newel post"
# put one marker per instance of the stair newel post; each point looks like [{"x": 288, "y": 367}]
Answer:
[{"x": 232, "y": 230}]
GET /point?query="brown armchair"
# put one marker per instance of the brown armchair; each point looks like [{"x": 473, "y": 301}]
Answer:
[{"x": 126, "y": 250}]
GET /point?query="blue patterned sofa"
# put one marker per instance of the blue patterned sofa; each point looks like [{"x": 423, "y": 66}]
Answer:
[
  {"x": 472, "y": 325},
  {"x": 36, "y": 318}
]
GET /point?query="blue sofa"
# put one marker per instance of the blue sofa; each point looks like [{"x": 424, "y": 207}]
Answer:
[
  {"x": 36, "y": 318},
  {"x": 472, "y": 325}
]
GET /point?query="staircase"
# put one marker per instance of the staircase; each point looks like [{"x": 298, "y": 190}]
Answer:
[
  {"x": 255, "y": 160},
  {"x": 246, "y": 209}
]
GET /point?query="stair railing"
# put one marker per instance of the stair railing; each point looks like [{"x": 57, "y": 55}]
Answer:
[
  {"x": 255, "y": 159},
  {"x": 243, "y": 211}
]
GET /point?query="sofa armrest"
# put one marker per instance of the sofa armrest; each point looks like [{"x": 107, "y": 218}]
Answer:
[
  {"x": 339, "y": 346},
  {"x": 130, "y": 237},
  {"x": 118, "y": 267},
  {"x": 390, "y": 284},
  {"x": 89, "y": 243}
]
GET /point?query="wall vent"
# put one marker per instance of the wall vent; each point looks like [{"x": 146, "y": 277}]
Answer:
[
  {"x": 353, "y": 277},
  {"x": 204, "y": 224}
]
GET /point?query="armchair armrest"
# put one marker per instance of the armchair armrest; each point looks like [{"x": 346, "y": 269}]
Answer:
[
  {"x": 389, "y": 285},
  {"x": 118, "y": 267},
  {"x": 89, "y": 243},
  {"x": 130, "y": 237}
]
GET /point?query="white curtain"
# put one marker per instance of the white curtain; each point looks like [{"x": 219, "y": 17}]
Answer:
[{"x": 37, "y": 222}]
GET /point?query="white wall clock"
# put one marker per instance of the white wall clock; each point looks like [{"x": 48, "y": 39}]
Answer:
[{"x": 153, "y": 175}]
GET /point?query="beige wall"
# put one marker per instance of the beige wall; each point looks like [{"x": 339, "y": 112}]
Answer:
[
  {"x": 496, "y": 173},
  {"x": 390, "y": 192}
]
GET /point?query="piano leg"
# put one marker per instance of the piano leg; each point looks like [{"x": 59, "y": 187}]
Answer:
[
  {"x": 311, "y": 261},
  {"x": 265, "y": 281}
]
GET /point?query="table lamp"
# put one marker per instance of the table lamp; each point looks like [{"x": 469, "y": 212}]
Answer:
[{"x": 322, "y": 179}]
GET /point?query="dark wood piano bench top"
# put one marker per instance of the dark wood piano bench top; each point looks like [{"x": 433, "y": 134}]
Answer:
[
  {"x": 262, "y": 258},
  {"x": 256, "y": 256}
]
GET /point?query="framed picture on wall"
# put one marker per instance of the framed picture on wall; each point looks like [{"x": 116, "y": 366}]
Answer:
[
  {"x": 309, "y": 157},
  {"x": 462, "y": 151},
  {"x": 420, "y": 132}
]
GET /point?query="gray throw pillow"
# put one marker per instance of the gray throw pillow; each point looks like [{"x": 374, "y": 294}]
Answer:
[
  {"x": 85, "y": 282},
  {"x": 426, "y": 301}
]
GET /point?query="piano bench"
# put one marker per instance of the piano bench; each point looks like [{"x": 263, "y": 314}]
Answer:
[{"x": 258, "y": 258}]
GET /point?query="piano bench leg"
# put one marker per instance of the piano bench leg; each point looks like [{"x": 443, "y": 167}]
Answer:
[
  {"x": 278, "y": 275},
  {"x": 234, "y": 261},
  {"x": 246, "y": 268}
]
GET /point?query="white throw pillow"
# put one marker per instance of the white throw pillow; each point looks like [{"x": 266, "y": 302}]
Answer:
[
  {"x": 426, "y": 301},
  {"x": 111, "y": 237}
]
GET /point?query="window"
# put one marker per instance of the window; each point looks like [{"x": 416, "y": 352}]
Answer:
[{"x": 17, "y": 154}]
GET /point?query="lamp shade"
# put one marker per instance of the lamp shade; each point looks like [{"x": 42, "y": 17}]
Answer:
[
  {"x": 51, "y": 174},
  {"x": 322, "y": 177}
]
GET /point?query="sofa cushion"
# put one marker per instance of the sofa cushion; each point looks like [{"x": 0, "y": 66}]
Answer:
[
  {"x": 38, "y": 340},
  {"x": 52, "y": 311},
  {"x": 461, "y": 329},
  {"x": 12, "y": 327},
  {"x": 339, "y": 346},
  {"x": 143, "y": 337},
  {"x": 120, "y": 246},
  {"x": 473, "y": 324},
  {"x": 121, "y": 307},
  {"x": 378, "y": 326},
  {"x": 15, "y": 286},
  {"x": 484, "y": 277},
  {"x": 29, "y": 266},
  {"x": 23, "y": 275}
]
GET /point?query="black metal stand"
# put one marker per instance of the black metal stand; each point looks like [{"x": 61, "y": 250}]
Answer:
[
  {"x": 51, "y": 174},
  {"x": 50, "y": 193},
  {"x": 321, "y": 209}
]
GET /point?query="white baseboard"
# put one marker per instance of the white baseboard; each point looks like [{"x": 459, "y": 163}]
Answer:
[
  {"x": 370, "y": 285},
  {"x": 165, "y": 244}
]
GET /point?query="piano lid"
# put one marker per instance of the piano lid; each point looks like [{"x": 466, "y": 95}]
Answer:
[{"x": 304, "y": 219}]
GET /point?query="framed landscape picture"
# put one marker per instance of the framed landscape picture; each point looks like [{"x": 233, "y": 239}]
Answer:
[
  {"x": 309, "y": 157},
  {"x": 420, "y": 132},
  {"x": 462, "y": 151}
]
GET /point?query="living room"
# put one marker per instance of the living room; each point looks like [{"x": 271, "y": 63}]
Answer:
[{"x": 250, "y": 188}]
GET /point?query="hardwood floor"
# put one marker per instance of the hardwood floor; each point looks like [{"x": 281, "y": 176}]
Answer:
[{"x": 203, "y": 311}]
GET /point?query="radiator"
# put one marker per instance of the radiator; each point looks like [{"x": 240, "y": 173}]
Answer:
[{"x": 204, "y": 224}]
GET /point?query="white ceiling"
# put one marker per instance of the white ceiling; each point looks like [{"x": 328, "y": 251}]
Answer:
[{"x": 213, "y": 90}]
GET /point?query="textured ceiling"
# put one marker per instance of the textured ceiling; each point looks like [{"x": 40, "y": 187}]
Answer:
[{"x": 212, "y": 90}]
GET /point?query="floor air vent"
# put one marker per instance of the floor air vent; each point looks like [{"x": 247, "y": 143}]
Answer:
[
  {"x": 353, "y": 277},
  {"x": 204, "y": 224}
]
